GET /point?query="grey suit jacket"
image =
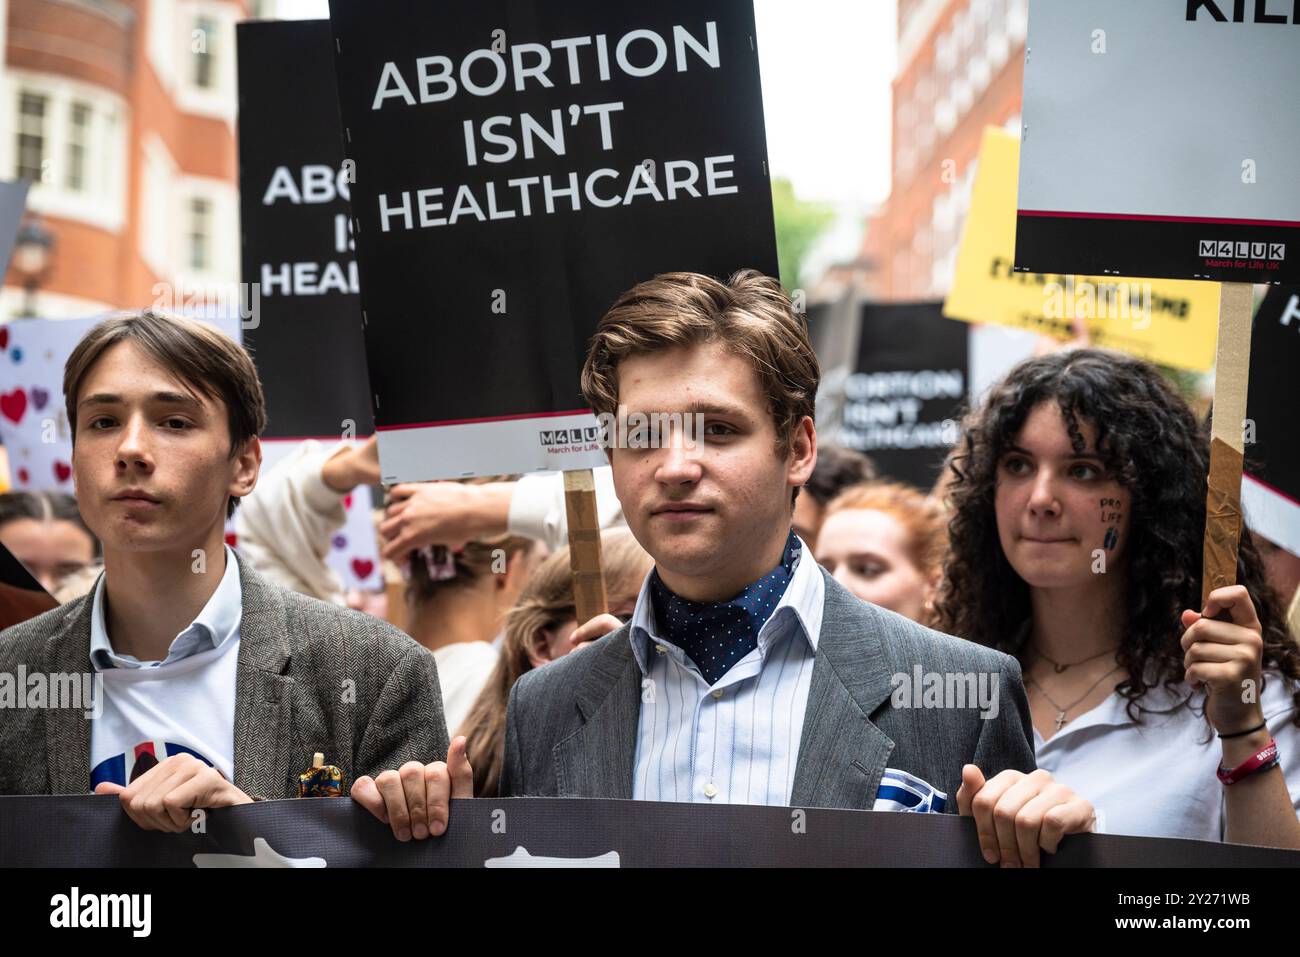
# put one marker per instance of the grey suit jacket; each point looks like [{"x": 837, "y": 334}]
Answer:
[
  {"x": 310, "y": 677},
  {"x": 572, "y": 724}
]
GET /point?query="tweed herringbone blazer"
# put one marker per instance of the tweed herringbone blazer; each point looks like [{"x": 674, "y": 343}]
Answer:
[
  {"x": 311, "y": 676},
  {"x": 572, "y": 724}
]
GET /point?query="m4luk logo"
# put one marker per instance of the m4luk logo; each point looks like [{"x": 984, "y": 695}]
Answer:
[
  {"x": 1229, "y": 249},
  {"x": 563, "y": 438}
]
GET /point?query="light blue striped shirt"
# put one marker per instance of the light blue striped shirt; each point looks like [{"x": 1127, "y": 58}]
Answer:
[{"x": 736, "y": 742}]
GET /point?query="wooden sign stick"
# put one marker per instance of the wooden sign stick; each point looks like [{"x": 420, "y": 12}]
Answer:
[
  {"x": 1227, "y": 440},
  {"x": 584, "y": 544}
]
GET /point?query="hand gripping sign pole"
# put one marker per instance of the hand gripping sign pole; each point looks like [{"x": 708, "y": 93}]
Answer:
[
  {"x": 584, "y": 544},
  {"x": 1227, "y": 439}
]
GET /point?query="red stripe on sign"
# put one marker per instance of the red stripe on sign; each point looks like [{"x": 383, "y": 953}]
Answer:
[
  {"x": 1132, "y": 217},
  {"x": 1269, "y": 488},
  {"x": 488, "y": 418}
]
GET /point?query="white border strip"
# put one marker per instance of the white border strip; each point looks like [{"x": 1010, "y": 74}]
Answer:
[
  {"x": 508, "y": 447},
  {"x": 1273, "y": 516}
]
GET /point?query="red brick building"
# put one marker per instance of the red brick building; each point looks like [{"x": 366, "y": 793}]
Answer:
[
  {"x": 122, "y": 114},
  {"x": 960, "y": 66}
]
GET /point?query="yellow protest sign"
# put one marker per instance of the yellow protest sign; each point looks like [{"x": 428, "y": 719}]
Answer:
[{"x": 1171, "y": 322}]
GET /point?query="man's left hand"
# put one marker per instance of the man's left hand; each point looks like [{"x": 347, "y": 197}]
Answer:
[{"x": 1016, "y": 814}]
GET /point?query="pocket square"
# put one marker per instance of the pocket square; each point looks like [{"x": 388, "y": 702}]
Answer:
[{"x": 900, "y": 791}]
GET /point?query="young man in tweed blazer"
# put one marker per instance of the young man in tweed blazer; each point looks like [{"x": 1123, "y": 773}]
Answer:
[
  {"x": 215, "y": 686},
  {"x": 747, "y": 674}
]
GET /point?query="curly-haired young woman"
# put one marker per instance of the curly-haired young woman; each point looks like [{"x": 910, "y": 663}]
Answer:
[{"x": 1078, "y": 510}]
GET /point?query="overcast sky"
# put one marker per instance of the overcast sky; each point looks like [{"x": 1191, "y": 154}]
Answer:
[{"x": 826, "y": 66}]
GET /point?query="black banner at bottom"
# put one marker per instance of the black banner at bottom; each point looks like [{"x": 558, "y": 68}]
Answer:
[{"x": 89, "y": 832}]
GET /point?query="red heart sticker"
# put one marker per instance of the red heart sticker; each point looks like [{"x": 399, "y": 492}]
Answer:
[
  {"x": 23, "y": 475},
  {"x": 62, "y": 471},
  {"x": 347, "y": 502},
  {"x": 13, "y": 404},
  {"x": 362, "y": 567},
  {"x": 4, "y": 337}
]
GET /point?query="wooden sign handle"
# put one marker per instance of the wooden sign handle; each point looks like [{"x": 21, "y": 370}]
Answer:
[
  {"x": 584, "y": 544},
  {"x": 1227, "y": 441}
]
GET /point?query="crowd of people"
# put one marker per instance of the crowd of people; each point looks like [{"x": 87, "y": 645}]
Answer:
[{"x": 768, "y": 599}]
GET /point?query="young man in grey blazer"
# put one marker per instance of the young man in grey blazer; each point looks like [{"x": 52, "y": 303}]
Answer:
[
  {"x": 213, "y": 686},
  {"x": 747, "y": 674}
]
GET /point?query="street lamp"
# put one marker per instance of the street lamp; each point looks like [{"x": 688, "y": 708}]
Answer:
[{"x": 31, "y": 258}]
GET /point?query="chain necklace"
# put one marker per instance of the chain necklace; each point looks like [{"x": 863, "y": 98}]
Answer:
[
  {"x": 1061, "y": 667},
  {"x": 1061, "y": 711}
]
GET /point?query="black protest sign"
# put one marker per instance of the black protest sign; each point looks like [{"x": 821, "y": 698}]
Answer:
[
  {"x": 1270, "y": 489},
  {"x": 305, "y": 326},
  {"x": 21, "y": 595},
  {"x": 902, "y": 404},
  {"x": 553, "y": 832},
  {"x": 519, "y": 165}
]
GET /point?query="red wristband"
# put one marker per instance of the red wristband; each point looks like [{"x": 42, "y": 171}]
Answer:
[{"x": 1260, "y": 761}]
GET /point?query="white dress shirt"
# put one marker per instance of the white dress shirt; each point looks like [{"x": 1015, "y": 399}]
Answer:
[{"x": 736, "y": 742}]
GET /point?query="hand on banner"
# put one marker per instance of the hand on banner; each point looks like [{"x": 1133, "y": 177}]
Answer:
[
  {"x": 598, "y": 627},
  {"x": 1226, "y": 658},
  {"x": 163, "y": 798},
  {"x": 1016, "y": 814},
  {"x": 352, "y": 465},
  {"x": 442, "y": 513},
  {"x": 414, "y": 800}
]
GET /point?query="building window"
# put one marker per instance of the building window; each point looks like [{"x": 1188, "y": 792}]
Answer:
[
  {"x": 32, "y": 108},
  {"x": 200, "y": 234},
  {"x": 205, "y": 63},
  {"x": 78, "y": 145}
]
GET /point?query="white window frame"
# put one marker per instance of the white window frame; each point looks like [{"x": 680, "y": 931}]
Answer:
[
  {"x": 102, "y": 201},
  {"x": 220, "y": 100}
]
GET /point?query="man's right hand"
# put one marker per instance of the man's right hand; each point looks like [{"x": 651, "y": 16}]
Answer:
[{"x": 414, "y": 799}]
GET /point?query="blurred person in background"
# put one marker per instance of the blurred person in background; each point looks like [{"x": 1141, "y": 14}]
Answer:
[
  {"x": 456, "y": 604},
  {"x": 45, "y": 531},
  {"x": 837, "y": 468},
  {"x": 1077, "y": 524},
  {"x": 885, "y": 543},
  {"x": 284, "y": 527},
  {"x": 1283, "y": 570},
  {"x": 542, "y": 627}
]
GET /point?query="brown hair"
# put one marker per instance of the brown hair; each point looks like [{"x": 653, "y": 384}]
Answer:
[
  {"x": 922, "y": 518},
  {"x": 750, "y": 313},
  {"x": 547, "y": 601},
  {"x": 199, "y": 355}
]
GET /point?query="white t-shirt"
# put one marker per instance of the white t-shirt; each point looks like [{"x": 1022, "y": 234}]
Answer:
[
  {"x": 463, "y": 670},
  {"x": 183, "y": 704},
  {"x": 1157, "y": 779}
]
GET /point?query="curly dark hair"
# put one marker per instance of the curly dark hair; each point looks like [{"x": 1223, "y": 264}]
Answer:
[{"x": 1151, "y": 443}]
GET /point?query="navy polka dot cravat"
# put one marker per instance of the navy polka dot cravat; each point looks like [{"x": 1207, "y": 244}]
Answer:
[{"x": 715, "y": 635}]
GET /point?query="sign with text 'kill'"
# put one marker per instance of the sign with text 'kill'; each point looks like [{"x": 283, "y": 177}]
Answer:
[
  {"x": 1270, "y": 487},
  {"x": 903, "y": 402},
  {"x": 305, "y": 334},
  {"x": 519, "y": 165},
  {"x": 1154, "y": 143}
]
